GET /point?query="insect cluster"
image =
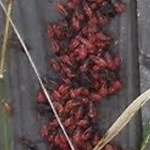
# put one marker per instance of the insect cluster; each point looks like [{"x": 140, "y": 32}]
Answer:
[{"x": 88, "y": 70}]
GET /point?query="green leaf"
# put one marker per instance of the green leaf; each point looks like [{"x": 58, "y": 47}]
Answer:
[{"x": 146, "y": 139}]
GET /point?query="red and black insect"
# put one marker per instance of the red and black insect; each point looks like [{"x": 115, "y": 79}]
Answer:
[{"x": 88, "y": 72}]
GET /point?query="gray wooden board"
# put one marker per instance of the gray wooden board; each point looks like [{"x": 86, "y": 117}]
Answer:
[
  {"x": 31, "y": 18},
  {"x": 143, "y": 11}
]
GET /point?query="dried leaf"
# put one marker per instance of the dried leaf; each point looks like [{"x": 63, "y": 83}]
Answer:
[{"x": 125, "y": 118}]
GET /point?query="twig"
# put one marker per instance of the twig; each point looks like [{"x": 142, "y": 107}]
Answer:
[
  {"x": 38, "y": 76},
  {"x": 5, "y": 41},
  {"x": 125, "y": 118}
]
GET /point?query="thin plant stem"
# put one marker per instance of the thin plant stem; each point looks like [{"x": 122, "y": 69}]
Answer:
[
  {"x": 38, "y": 76},
  {"x": 3, "y": 93},
  {"x": 4, "y": 114},
  {"x": 5, "y": 41}
]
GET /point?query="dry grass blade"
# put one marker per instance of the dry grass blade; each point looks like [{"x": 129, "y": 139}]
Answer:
[
  {"x": 5, "y": 41},
  {"x": 125, "y": 118},
  {"x": 37, "y": 74}
]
